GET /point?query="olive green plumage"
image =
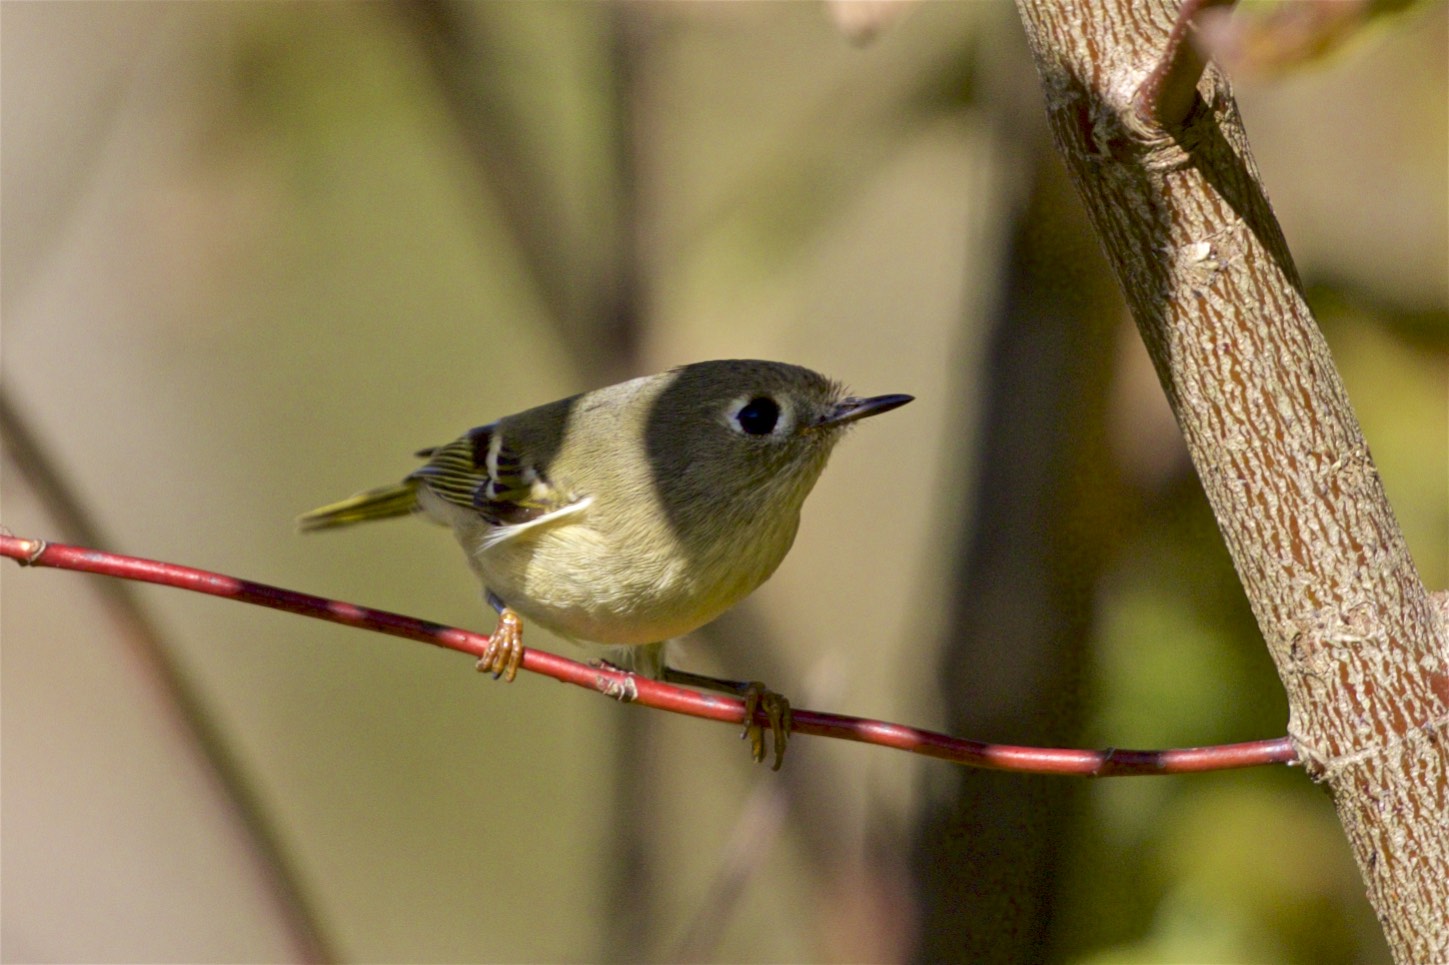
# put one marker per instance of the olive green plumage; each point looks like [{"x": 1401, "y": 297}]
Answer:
[{"x": 634, "y": 513}]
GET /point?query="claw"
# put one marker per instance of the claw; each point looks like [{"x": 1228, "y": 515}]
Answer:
[
  {"x": 777, "y": 711},
  {"x": 757, "y": 697},
  {"x": 505, "y": 647}
]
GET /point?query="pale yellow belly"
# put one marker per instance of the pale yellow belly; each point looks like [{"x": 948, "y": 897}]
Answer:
[{"x": 582, "y": 585}]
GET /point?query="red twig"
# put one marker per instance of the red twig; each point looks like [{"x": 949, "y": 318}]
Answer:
[
  {"x": 1165, "y": 97},
  {"x": 652, "y": 693}
]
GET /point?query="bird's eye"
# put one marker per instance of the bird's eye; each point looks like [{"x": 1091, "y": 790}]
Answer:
[{"x": 759, "y": 416}]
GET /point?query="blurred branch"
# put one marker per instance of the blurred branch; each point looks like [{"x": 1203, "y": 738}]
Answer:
[
  {"x": 628, "y": 688},
  {"x": 592, "y": 279},
  {"x": 589, "y": 285},
  {"x": 755, "y": 832},
  {"x": 189, "y": 717},
  {"x": 1048, "y": 511},
  {"x": 490, "y": 130}
]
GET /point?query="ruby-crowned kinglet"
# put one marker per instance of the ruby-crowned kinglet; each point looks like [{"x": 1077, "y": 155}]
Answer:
[{"x": 632, "y": 514}]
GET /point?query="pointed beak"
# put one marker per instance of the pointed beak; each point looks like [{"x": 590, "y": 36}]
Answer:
[{"x": 849, "y": 410}]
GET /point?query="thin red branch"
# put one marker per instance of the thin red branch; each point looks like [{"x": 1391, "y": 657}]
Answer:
[
  {"x": 1165, "y": 97},
  {"x": 628, "y": 687}
]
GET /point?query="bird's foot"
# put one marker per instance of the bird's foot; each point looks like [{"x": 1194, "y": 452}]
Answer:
[
  {"x": 777, "y": 711},
  {"x": 757, "y": 698},
  {"x": 505, "y": 647}
]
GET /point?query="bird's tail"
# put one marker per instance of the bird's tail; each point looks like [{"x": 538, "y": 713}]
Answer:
[{"x": 381, "y": 503}]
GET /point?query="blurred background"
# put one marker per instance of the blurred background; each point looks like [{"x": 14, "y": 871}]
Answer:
[{"x": 256, "y": 255}]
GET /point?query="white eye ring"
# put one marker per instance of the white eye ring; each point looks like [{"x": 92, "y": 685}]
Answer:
[{"x": 761, "y": 416}]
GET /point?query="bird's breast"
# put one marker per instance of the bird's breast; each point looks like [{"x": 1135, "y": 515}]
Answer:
[{"x": 629, "y": 585}]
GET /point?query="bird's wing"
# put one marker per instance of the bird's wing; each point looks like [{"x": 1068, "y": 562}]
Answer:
[{"x": 481, "y": 472}]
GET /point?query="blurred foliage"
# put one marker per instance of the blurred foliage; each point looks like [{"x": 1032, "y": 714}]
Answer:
[
  {"x": 1267, "y": 37},
  {"x": 1177, "y": 869}
]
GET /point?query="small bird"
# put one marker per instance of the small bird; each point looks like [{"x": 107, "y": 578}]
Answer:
[{"x": 632, "y": 514}]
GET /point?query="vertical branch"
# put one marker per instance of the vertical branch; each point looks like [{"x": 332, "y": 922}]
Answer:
[
  {"x": 592, "y": 301},
  {"x": 598, "y": 310},
  {"x": 1213, "y": 290},
  {"x": 996, "y": 845},
  {"x": 461, "y": 54}
]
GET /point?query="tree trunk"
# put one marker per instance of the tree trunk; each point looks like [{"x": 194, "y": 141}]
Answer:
[{"x": 1210, "y": 283}]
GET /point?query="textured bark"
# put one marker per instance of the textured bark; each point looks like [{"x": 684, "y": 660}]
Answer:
[{"x": 1212, "y": 287}]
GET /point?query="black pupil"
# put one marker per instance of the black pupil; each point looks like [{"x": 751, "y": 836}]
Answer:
[{"x": 758, "y": 417}]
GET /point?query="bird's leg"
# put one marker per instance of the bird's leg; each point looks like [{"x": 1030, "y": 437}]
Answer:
[
  {"x": 505, "y": 646},
  {"x": 756, "y": 697}
]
